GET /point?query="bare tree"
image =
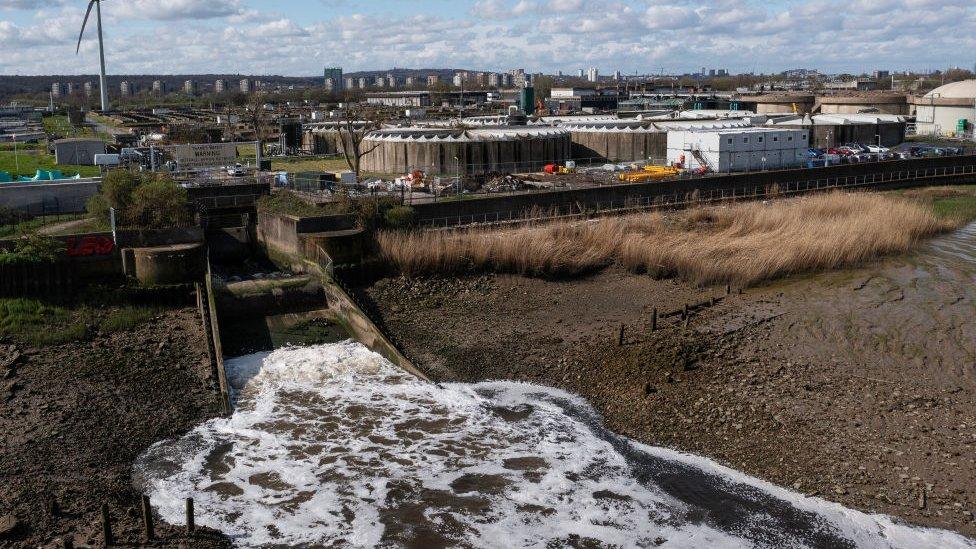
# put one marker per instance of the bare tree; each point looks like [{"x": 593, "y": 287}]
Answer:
[{"x": 354, "y": 126}]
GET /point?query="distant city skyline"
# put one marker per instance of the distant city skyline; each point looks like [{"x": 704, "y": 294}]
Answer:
[{"x": 300, "y": 37}]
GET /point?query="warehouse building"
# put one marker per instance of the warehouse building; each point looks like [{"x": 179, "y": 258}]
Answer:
[
  {"x": 949, "y": 110},
  {"x": 737, "y": 149}
]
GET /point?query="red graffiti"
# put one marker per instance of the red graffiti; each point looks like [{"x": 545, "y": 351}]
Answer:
[{"x": 90, "y": 245}]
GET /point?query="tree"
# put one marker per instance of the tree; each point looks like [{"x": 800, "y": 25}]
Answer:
[{"x": 355, "y": 125}]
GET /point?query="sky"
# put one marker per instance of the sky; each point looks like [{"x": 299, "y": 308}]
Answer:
[{"x": 300, "y": 37}]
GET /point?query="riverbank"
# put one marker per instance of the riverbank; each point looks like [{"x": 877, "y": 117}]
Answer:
[
  {"x": 856, "y": 386},
  {"x": 78, "y": 411}
]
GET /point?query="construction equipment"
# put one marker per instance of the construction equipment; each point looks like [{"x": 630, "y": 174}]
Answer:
[{"x": 649, "y": 173}]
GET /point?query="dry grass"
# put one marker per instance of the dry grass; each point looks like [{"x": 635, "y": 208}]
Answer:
[{"x": 743, "y": 243}]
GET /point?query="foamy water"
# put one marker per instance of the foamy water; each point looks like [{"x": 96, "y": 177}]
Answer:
[{"x": 332, "y": 445}]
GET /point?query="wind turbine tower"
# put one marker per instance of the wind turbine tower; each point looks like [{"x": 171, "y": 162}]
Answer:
[{"x": 103, "y": 87}]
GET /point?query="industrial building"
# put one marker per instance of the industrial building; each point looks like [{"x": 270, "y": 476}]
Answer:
[
  {"x": 468, "y": 151},
  {"x": 949, "y": 110},
  {"x": 77, "y": 151},
  {"x": 616, "y": 140},
  {"x": 737, "y": 149},
  {"x": 832, "y": 130},
  {"x": 582, "y": 99},
  {"x": 326, "y": 137}
]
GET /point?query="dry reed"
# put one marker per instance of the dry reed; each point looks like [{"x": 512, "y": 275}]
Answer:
[{"x": 743, "y": 243}]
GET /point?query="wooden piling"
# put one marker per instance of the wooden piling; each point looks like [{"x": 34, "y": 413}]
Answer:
[
  {"x": 654, "y": 320},
  {"x": 190, "y": 525},
  {"x": 684, "y": 313},
  {"x": 106, "y": 526},
  {"x": 147, "y": 518},
  {"x": 728, "y": 289},
  {"x": 620, "y": 338},
  {"x": 68, "y": 542}
]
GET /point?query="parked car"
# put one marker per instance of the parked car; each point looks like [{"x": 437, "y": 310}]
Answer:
[
  {"x": 237, "y": 170},
  {"x": 856, "y": 148},
  {"x": 878, "y": 149}
]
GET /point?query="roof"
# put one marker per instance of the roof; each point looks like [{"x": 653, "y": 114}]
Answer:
[{"x": 964, "y": 89}]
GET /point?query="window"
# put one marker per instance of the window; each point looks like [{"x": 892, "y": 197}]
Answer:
[
  {"x": 730, "y": 141},
  {"x": 745, "y": 139},
  {"x": 790, "y": 138},
  {"x": 760, "y": 139},
  {"x": 775, "y": 139}
]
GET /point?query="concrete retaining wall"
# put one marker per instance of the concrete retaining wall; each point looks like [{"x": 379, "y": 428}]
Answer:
[{"x": 54, "y": 197}]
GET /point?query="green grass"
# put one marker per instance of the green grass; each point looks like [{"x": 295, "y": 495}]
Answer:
[
  {"x": 288, "y": 203},
  {"x": 126, "y": 318},
  {"x": 29, "y": 161},
  {"x": 309, "y": 164},
  {"x": 957, "y": 202},
  {"x": 40, "y": 324}
]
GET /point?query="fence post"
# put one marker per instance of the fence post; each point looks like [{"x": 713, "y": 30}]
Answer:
[
  {"x": 147, "y": 518},
  {"x": 190, "y": 525},
  {"x": 106, "y": 526}
]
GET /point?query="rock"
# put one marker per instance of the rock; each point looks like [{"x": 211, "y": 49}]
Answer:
[{"x": 8, "y": 525}]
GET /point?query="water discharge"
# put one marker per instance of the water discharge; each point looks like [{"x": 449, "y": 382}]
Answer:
[{"x": 332, "y": 445}]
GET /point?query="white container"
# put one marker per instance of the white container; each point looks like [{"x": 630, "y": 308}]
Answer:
[{"x": 107, "y": 160}]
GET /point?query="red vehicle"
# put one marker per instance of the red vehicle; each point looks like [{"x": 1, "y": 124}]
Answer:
[{"x": 842, "y": 151}]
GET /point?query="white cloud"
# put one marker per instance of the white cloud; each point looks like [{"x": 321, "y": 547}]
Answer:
[{"x": 630, "y": 35}]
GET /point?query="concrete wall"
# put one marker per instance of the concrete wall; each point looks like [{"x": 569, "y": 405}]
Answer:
[
  {"x": 436, "y": 156},
  {"x": 54, "y": 197},
  {"x": 285, "y": 233},
  {"x": 620, "y": 146}
]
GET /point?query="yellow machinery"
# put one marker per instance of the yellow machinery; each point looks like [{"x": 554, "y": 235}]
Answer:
[{"x": 649, "y": 173}]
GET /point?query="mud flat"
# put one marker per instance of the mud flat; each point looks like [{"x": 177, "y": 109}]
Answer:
[
  {"x": 856, "y": 386},
  {"x": 74, "y": 417}
]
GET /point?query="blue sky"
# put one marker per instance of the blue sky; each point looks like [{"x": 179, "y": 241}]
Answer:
[{"x": 299, "y": 37}]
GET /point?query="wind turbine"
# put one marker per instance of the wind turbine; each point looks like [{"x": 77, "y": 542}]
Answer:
[{"x": 101, "y": 48}]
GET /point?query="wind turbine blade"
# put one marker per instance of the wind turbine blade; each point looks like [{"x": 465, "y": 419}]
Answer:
[{"x": 91, "y": 4}]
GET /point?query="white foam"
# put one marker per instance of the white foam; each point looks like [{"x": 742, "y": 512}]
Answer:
[{"x": 333, "y": 444}]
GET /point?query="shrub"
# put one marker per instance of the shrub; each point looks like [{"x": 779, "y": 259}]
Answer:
[
  {"x": 10, "y": 216},
  {"x": 117, "y": 188},
  {"x": 34, "y": 248},
  {"x": 399, "y": 217},
  {"x": 159, "y": 202}
]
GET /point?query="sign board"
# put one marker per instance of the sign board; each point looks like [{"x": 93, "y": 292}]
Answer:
[{"x": 202, "y": 157}]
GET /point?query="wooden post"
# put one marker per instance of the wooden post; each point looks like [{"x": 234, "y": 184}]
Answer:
[
  {"x": 728, "y": 289},
  {"x": 147, "y": 518},
  {"x": 68, "y": 542},
  {"x": 106, "y": 526},
  {"x": 684, "y": 313},
  {"x": 713, "y": 301},
  {"x": 190, "y": 526},
  {"x": 620, "y": 339},
  {"x": 654, "y": 320}
]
